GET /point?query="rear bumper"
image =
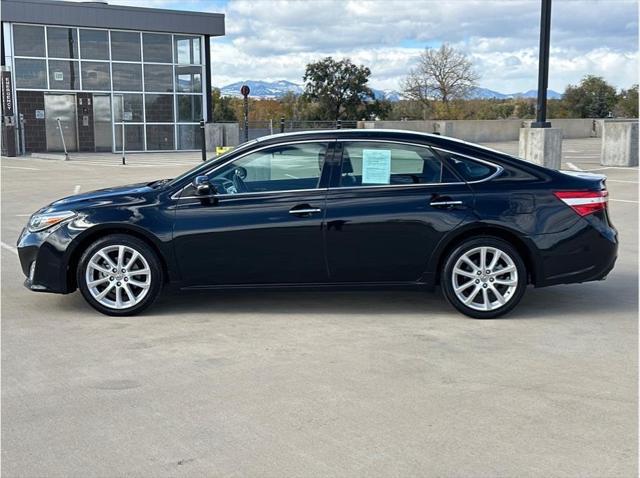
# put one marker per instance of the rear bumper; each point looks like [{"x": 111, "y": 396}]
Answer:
[{"x": 585, "y": 252}]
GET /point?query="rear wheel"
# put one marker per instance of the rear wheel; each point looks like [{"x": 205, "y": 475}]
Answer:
[
  {"x": 119, "y": 275},
  {"x": 484, "y": 277}
]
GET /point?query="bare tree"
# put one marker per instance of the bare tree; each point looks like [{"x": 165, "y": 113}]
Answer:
[{"x": 442, "y": 74}]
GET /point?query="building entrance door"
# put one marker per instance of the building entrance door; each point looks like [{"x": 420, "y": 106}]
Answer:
[
  {"x": 102, "y": 129},
  {"x": 61, "y": 107}
]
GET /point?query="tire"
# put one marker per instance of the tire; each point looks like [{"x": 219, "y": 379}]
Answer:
[
  {"x": 130, "y": 292},
  {"x": 478, "y": 293}
]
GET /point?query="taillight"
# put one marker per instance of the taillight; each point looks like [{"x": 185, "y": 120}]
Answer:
[{"x": 584, "y": 202}]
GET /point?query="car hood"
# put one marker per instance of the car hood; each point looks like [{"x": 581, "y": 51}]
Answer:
[{"x": 103, "y": 197}]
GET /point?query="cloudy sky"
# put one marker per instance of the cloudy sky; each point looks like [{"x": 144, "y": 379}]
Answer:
[{"x": 275, "y": 39}]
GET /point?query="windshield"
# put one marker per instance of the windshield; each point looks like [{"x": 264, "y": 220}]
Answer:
[{"x": 204, "y": 166}]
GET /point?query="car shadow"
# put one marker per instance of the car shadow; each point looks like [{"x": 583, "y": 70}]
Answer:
[
  {"x": 619, "y": 294},
  {"x": 299, "y": 302}
]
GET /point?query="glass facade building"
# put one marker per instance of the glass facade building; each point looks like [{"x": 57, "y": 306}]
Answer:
[{"x": 100, "y": 84}]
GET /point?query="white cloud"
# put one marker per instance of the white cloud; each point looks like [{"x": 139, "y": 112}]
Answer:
[{"x": 274, "y": 39}]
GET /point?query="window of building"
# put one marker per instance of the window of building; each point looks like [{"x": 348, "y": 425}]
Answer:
[
  {"x": 125, "y": 46},
  {"x": 160, "y": 136},
  {"x": 95, "y": 76},
  {"x": 189, "y": 136},
  {"x": 158, "y": 78},
  {"x": 64, "y": 75},
  {"x": 189, "y": 108},
  {"x": 28, "y": 40},
  {"x": 156, "y": 48},
  {"x": 158, "y": 108},
  {"x": 127, "y": 76},
  {"x": 133, "y": 135},
  {"x": 189, "y": 79},
  {"x": 62, "y": 42},
  {"x": 187, "y": 50},
  {"x": 31, "y": 73},
  {"x": 129, "y": 105},
  {"x": 94, "y": 44}
]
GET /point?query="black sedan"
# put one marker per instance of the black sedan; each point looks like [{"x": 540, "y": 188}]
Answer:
[{"x": 333, "y": 209}]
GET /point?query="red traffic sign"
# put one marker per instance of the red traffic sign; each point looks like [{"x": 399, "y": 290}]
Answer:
[{"x": 245, "y": 90}]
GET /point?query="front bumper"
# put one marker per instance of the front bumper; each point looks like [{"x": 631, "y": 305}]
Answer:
[{"x": 43, "y": 260}]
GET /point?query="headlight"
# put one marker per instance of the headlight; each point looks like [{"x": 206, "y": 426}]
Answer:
[{"x": 40, "y": 222}]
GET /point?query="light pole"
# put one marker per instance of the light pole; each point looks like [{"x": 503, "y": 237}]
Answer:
[
  {"x": 540, "y": 143},
  {"x": 543, "y": 66}
]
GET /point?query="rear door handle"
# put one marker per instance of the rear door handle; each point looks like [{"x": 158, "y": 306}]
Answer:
[
  {"x": 304, "y": 210},
  {"x": 444, "y": 204}
]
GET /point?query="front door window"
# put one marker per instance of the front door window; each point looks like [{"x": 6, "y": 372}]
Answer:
[{"x": 280, "y": 168}]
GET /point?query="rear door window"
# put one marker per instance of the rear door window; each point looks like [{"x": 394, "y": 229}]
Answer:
[{"x": 367, "y": 163}]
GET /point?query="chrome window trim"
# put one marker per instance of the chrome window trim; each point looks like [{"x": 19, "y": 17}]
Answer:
[
  {"x": 246, "y": 153},
  {"x": 499, "y": 169}
]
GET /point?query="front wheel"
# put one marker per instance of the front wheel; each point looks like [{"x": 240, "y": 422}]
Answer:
[
  {"x": 484, "y": 277},
  {"x": 119, "y": 275}
]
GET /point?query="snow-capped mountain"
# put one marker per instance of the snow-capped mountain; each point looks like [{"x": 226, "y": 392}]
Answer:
[
  {"x": 486, "y": 94},
  {"x": 277, "y": 89},
  {"x": 389, "y": 95},
  {"x": 262, "y": 89}
]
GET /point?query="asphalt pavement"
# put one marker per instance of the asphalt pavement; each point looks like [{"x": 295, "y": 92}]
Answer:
[{"x": 315, "y": 384}]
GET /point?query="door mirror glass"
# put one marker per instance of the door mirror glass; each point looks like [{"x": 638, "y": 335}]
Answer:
[{"x": 202, "y": 186}]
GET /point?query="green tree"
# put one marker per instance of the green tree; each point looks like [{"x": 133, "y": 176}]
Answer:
[
  {"x": 592, "y": 98},
  {"x": 628, "y": 103},
  {"x": 222, "y": 107},
  {"x": 338, "y": 87}
]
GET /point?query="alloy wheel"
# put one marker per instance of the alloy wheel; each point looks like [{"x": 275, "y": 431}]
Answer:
[
  {"x": 118, "y": 276},
  {"x": 485, "y": 278}
]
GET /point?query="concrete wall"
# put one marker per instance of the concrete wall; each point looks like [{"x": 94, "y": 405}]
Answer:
[
  {"x": 620, "y": 143},
  {"x": 478, "y": 131},
  {"x": 221, "y": 134}
]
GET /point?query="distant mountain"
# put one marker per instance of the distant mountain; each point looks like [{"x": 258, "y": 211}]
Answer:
[
  {"x": 389, "y": 95},
  {"x": 262, "y": 89},
  {"x": 552, "y": 95},
  {"x": 277, "y": 89},
  {"x": 486, "y": 94}
]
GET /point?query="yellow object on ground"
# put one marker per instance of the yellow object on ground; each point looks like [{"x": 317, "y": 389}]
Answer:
[{"x": 222, "y": 149}]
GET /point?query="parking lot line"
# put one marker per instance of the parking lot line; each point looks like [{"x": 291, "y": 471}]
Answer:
[
  {"x": 19, "y": 167},
  {"x": 8, "y": 247},
  {"x": 573, "y": 166},
  {"x": 624, "y": 200}
]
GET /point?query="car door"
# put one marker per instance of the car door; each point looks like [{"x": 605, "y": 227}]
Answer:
[
  {"x": 388, "y": 206},
  {"x": 264, "y": 224}
]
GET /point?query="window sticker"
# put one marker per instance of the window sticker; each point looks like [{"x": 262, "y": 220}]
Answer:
[{"x": 376, "y": 166}]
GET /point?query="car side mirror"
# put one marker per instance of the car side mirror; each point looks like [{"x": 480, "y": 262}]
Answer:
[{"x": 202, "y": 186}]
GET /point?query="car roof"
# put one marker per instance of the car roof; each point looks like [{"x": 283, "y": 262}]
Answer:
[{"x": 390, "y": 134}]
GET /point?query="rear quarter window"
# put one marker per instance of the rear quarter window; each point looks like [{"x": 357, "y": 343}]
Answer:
[{"x": 468, "y": 169}]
